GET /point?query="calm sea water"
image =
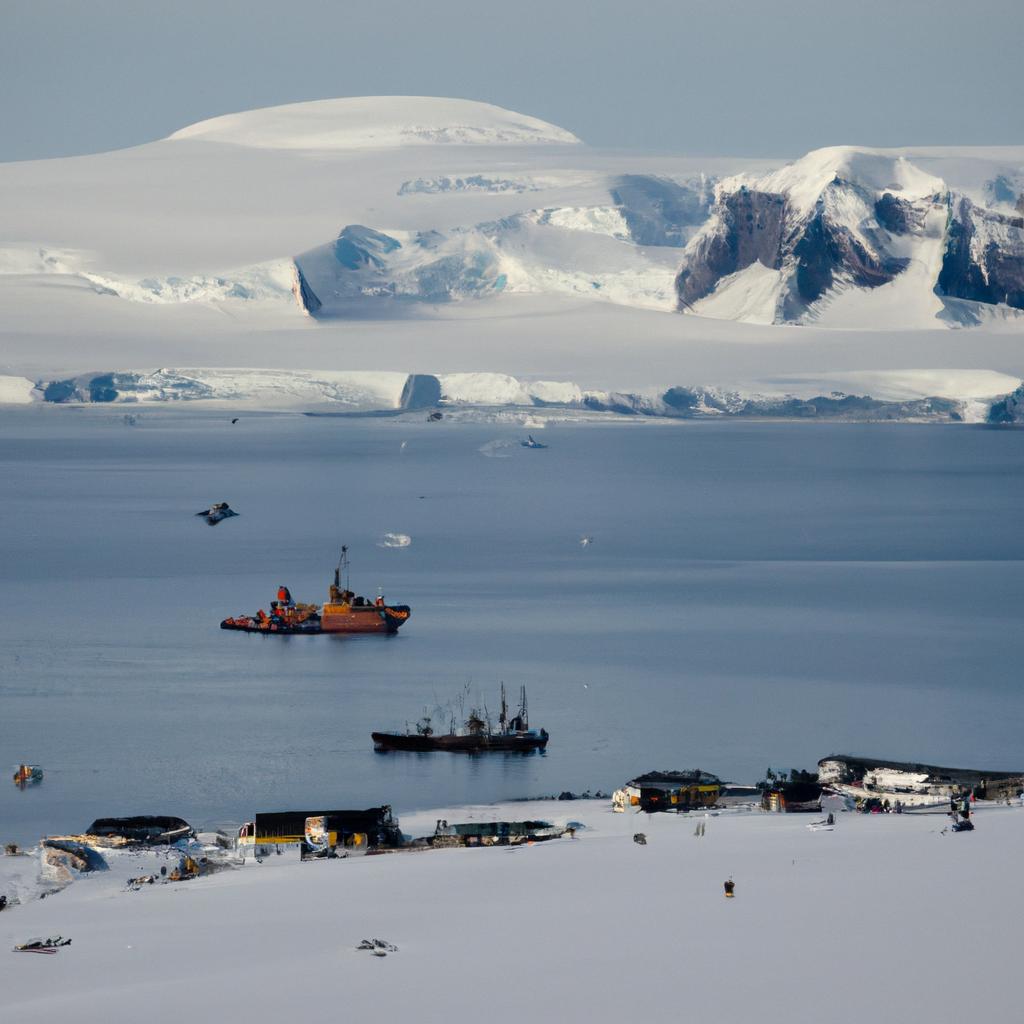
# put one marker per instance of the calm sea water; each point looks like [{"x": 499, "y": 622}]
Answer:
[{"x": 755, "y": 595}]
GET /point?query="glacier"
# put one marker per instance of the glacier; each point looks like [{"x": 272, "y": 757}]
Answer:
[
  {"x": 843, "y": 237},
  {"x": 954, "y": 396}
]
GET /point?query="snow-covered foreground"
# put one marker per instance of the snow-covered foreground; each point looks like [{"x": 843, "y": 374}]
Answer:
[{"x": 885, "y": 919}]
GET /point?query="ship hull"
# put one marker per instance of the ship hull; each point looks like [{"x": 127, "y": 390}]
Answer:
[
  {"x": 460, "y": 744},
  {"x": 371, "y": 619}
]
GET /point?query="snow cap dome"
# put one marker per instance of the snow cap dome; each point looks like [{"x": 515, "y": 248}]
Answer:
[
  {"x": 370, "y": 122},
  {"x": 876, "y": 169}
]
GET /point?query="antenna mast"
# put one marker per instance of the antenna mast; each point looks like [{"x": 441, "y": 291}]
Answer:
[{"x": 342, "y": 561}]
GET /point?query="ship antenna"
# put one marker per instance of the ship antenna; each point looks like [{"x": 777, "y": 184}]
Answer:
[
  {"x": 503, "y": 720},
  {"x": 342, "y": 561},
  {"x": 522, "y": 707}
]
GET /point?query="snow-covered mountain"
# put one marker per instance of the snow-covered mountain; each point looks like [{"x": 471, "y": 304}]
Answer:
[
  {"x": 847, "y": 235},
  {"x": 843, "y": 237},
  {"x": 408, "y": 234},
  {"x": 375, "y": 122},
  {"x": 585, "y": 251}
]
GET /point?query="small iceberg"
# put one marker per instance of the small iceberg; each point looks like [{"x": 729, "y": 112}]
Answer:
[{"x": 395, "y": 540}]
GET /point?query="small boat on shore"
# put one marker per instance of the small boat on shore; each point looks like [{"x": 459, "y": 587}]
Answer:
[
  {"x": 476, "y": 736},
  {"x": 343, "y": 612}
]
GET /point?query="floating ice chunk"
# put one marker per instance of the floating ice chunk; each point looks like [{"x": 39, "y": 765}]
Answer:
[{"x": 395, "y": 540}]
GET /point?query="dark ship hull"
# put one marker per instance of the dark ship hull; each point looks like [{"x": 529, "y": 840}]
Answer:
[{"x": 524, "y": 742}]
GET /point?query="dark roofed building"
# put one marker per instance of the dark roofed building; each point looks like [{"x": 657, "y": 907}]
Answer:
[{"x": 669, "y": 791}]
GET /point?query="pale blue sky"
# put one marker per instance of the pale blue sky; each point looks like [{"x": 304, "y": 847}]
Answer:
[{"x": 758, "y": 77}]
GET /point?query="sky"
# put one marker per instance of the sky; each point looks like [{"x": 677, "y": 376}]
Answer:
[{"x": 702, "y": 77}]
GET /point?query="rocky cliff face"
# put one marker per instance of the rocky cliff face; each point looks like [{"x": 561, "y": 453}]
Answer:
[
  {"x": 847, "y": 219},
  {"x": 984, "y": 257},
  {"x": 747, "y": 226},
  {"x": 812, "y": 250},
  {"x": 1009, "y": 409},
  {"x": 825, "y": 248}
]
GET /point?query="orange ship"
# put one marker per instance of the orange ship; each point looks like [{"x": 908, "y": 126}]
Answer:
[{"x": 343, "y": 612}]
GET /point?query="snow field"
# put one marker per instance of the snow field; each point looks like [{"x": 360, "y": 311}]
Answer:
[
  {"x": 372, "y": 122},
  {"x": 884, "y": 919},
  {"x": 15, "y": 390},
  {"x": 752, "y": 295}
]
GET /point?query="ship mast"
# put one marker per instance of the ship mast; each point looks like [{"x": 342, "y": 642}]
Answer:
[
  {"x": 503, "y": 718},
  {"x": 342, "y": 561},
  {"x": 522, "y": 708}
]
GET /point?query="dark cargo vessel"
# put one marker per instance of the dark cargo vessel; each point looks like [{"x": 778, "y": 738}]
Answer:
[{"x": 475, "y": 737}]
